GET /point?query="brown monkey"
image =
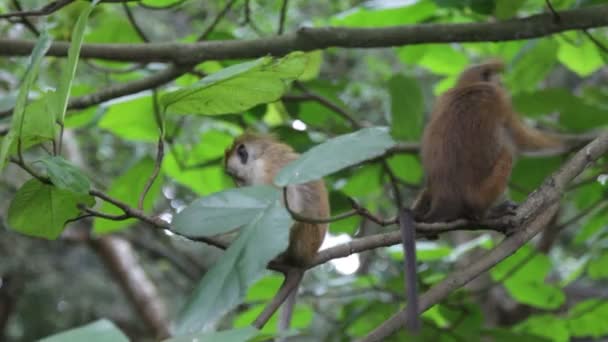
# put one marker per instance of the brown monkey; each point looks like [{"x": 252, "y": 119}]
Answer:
[
  {"x": 469, "y": 146},
  {"x": 255, "y": 159},
  {"x": 467, "y": 151}
]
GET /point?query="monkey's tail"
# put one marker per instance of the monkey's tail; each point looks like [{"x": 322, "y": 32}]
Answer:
[{"x": 408, "y": 236}]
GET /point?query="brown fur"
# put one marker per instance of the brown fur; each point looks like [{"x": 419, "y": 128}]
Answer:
[
  {"x": 469, "y": 145},
  {"x": 305, "y": 239}
]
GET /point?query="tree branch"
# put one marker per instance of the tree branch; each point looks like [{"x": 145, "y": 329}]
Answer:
[
  {"x": 120, "y": 258},
  {"x": 309, "y": 38},
  {"x": 535, "y": 213}
]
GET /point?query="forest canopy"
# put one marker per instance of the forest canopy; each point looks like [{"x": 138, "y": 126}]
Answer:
[{"x": 115, "y": 117}]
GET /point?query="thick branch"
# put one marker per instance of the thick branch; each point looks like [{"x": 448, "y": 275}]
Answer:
[
  {"x": 120, "y": 258},
  {"x": 535, "y": 213},
  {"x": 307, "y": 39}
]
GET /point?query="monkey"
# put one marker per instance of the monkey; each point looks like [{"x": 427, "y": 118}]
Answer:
[
  {"x": 469, "y": 146},
  {"x": 467, "y": 151},
  {"x": 255, "y": 159}
]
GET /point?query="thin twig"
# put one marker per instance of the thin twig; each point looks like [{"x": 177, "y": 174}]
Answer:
[
  {"x": 160, "y": 152},
  {"x": 556, "y": 18},
  {"x": 140, "y": 32},
  {"x": 283, "y": 16},
  {"x": 25, "y": 21},
  {"x": 596, "y": 41},
  {"x": 45, "y": 10},
  {"x": 322, "y": 100},
  {"x": 216, "y": 21},
  {"x": 160, "y": 8}
]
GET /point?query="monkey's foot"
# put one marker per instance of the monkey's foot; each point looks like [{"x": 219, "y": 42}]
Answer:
[{"x": 506, "y": 208}]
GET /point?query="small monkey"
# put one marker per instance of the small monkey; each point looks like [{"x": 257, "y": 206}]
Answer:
[
  {"x": 467, "y": 152},
  {"x": 255, "y": 159}
]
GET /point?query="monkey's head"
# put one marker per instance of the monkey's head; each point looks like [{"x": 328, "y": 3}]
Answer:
[
  {"x": 485, "y": 72},
  {"x": 253, "y": 159}
]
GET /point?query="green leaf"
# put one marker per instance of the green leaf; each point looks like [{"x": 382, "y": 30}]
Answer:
[
  {"x": 548, "y": 326},
  {"x": 42, "y": 45},
  {"x": 98, "y": 331},
  {"x": 313, "y": 66},
  {"x": 132, "y": 120},
  {"x": 407, "y": 108},
  {"x": 234, "y": 335},
  {"x": 128, "y": 187},
  {"x": 265, "y": 288},
  {"x": 224, "y": 211},
  {"x": 335, "y": 154},
  {"x": 41, "y": 210},
  {"x": 302, "y": 317},
  {"x": 38, "y": 124},
  {"x": 598, "y": 267},
  {"x": 506, "y": 9},
  {"x": 440, "y": 59},
  {"x": 406, "y": 167},
  {"x": 534, "y": 62},
  {"x": 529, "y": 173},
  {"x": 523, "y": 275},
  {"x": 363, "y": 17},
  {"x": 226, "y": 283},
  {"x": 68, "y": 72},
  {"x": 582, "y": 56},
  {"x": 238, "y": 87},
  {"x": 66, "y": 176},
  {"x": 588, "y": 319},
  {"x": 483, "y": 6}
]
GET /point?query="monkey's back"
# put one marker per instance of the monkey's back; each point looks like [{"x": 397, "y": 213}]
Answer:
[{"x": 461, "y": 145}]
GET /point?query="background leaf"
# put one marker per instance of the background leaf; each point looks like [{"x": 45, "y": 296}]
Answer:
[
  {"x": 128, "y": 188},
  {"x": 41, "y": 210},
  {"x": 66, "y": 176}
]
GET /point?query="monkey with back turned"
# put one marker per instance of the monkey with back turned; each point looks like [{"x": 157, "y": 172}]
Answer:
[{"x": 468, "y": 150}]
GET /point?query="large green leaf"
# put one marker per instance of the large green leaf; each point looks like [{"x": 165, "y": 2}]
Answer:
[
  {"x": 132, "y": 119},
  {"x": 363, "y": 17},
  {"x": 38, "y": 124},
  {"x": 68, "y": 72},
  {"x": 588, "y": 319},
  {"x": 41, "y": 210},
  {"x": 549, "y": 326},
  {"x": 579, "y": 54},
  {"x": 523, "y": 275},
  {"x": 534, "y": 62},
  {"x": 506, "y": 9},
  {"x": 234, "y": 335},
  {"x": 42, "y": 45},
  {"x": 407, "y": 108},
  {"x": 238, "y": 87},
  {"x": 440, "y": 59},
  {"x": 128, "y": 188},
  {"x": 226, "y": 283},
  {"x": 598, "y": 267},
  {"x": 98, "y": 331},
  {"x": 335, "y": 154},
  {"x": 224, "y": 211},
  {"x": 66, "y": 176}
]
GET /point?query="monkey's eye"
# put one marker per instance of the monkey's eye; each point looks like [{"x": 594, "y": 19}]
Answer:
[
  {"x": 241, "y": 151},
  {"x": 486, "y": 75}
]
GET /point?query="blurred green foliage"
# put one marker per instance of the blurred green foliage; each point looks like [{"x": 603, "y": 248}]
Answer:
[{"x": 556, "y": 82}]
